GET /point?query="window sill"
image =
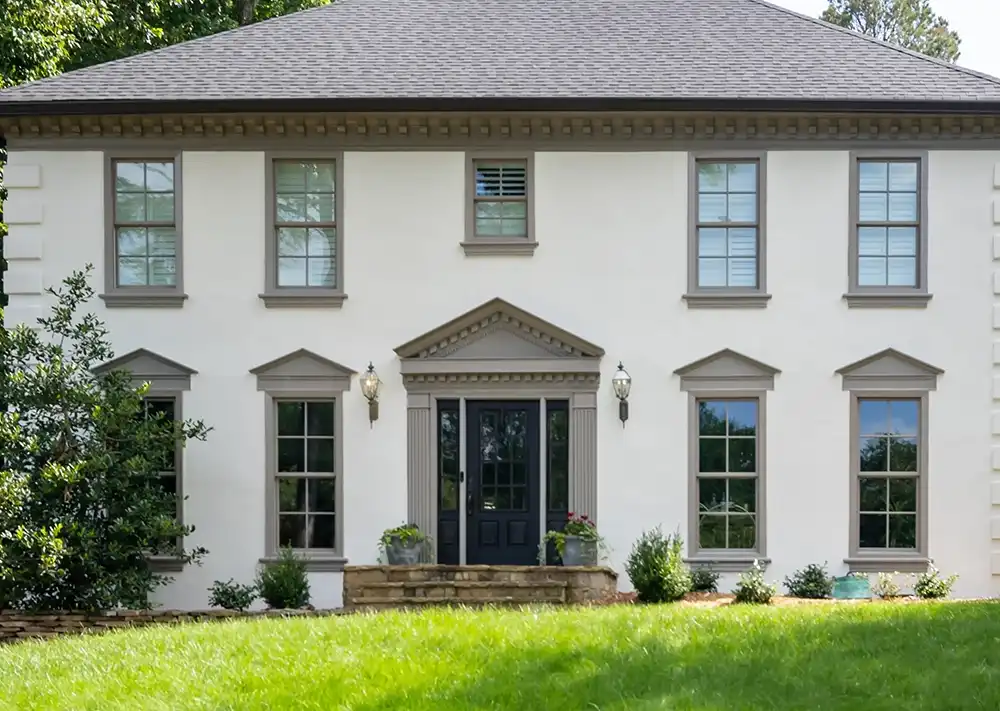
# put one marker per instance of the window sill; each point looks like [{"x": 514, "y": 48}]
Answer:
[
  {"x": 303, "y": 299},
  {"x": 727, "y": 564},
  {"x": 888, "y": 564},
  {"x": 138, "y": 299},
  {"x": 887, "y": 300},
  {"x": 486, "y": 247},
  {"x": 314, "y": 564},
  {"x": 726, "y": 301},
  {"x": 165, "y": 564}
]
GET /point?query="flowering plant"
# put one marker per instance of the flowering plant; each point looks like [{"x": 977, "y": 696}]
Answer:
[{"x": 578, "y": 525}]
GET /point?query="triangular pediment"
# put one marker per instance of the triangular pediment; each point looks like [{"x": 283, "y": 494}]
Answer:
[
  {"x": 890, "y": 363},
  {"x": 146, "y": 364},
  {"x": 302, "y": 363},
  {"x": 726, "y": 363},
  {"x": 497, "y": 331}
]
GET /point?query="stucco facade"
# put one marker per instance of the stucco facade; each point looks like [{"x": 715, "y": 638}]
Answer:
[{"x": 610, "y": 267}]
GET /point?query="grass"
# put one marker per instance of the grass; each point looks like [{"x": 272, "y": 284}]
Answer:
[{"x": 871, "y": 656}]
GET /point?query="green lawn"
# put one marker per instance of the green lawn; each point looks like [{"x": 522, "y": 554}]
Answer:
[{"x": 859, "y": 657}]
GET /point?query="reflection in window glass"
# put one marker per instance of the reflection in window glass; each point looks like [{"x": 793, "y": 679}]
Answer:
[
  {"x": 727, "y": 223},
  {"x": 888, "y": 457},
  {"x": 727, "y": 476},
  {"x": 306, "y": 482}
]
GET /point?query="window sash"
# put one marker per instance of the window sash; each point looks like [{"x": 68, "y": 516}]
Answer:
[
  {"x": 914, "y": 224},
  {"x": 477, "y": 199},
  {"x": 918, "y": 512},
  {"x": 700, "y": 476},
  {"x": 727, "y": 224},
  {"x": 307, "y": 515}
]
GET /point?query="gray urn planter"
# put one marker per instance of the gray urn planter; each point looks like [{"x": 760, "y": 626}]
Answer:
[
  {"x": 400, "y": 553},
  {"x": 577, "y": 551}
]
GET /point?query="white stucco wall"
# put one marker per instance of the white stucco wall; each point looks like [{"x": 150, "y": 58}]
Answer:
[{"x": 611, "y": 267}]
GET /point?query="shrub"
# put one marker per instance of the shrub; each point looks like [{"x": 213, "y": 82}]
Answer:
[
  {"x": 82, "y": 500},
  {"x": 656, "y": 567},
  {"x": 231, "y": 595},
  {"x": 752, "y": 589},
  {"x": 812, "y": 582},
  {"x": 885, "y": 586},
  {"x": 704, "y": 580},
  {"x": 676, "y": 574},
  {"x": 283, "y": 585},
  {"x": 931, "y": 586}
]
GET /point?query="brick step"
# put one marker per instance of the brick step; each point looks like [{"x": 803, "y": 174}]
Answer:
[
  {"x": 546, "y": 591},
  {"x": 474, "y": 573},
  {"x": 386, "y": 603}
]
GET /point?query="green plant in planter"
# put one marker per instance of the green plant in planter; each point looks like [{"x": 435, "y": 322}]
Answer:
[
  {"x": 585, "y": 544},
  {"x": 404, "y": 544}
]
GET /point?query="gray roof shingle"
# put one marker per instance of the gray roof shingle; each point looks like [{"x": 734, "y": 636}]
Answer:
[{"x": 525, "y": 49}]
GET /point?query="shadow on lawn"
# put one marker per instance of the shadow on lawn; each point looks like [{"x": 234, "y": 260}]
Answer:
[{"x": 916, "y": 657}]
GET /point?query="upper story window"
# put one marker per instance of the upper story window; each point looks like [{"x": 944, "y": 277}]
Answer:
[
  {"x": 304, "y": 254},
  {"x": 888, "y": 241},
  {"x": 144, "y": 265},
  {"x": 499, "y": 205},
  {"x": 727, "y": 235}
]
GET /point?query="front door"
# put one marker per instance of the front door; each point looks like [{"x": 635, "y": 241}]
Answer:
[{"x": 502, "y": 506}]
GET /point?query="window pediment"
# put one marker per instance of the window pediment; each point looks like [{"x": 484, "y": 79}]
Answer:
[
  {"x": 303, "y": 369},
  {"x": 727, "y": 370},
  {"x": 890, "y": 369},
  {"x": 147, "y": 366}
]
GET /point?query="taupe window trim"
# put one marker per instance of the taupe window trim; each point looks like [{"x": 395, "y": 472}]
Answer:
[
  {"x": 889, "y": 559},
  {"x": 116, "y": 296},
  {"x": 476, "y": 244},
  {"x": 727, "y": 296},
  {"x": 168, "y": 380},
  {"x": 170, "y": 563},
  {"x": 916, "y": 296},
  {"x": 303, "y": 376},
  {"x": 723, "y": 559},
  {"x": 275, "y": 296}
]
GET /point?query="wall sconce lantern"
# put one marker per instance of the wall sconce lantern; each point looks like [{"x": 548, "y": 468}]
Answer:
[
  {"x": 370, "y": 386},
  {"x": 622, "y": 384}
]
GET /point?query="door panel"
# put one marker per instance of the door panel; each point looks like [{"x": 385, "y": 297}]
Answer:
[{"x": 502, "y": 506}]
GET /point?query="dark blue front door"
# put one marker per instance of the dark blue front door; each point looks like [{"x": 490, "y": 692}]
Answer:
[{"x": 502, "y": 506}]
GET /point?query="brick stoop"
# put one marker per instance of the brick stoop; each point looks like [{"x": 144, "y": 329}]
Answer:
[{"x": 419, "y": 586}]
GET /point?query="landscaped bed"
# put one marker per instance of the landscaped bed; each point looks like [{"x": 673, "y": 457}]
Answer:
[{"x": 807, "y": 656}]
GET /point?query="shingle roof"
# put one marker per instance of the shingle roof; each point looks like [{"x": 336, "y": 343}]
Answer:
[{"x": 525, "y": 49}]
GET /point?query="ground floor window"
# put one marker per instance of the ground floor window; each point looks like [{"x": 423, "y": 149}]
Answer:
[
  {"x": 306, "y": 475},
  {"x": 887, "y": 468},
  {"x": 727, "y": 473}
]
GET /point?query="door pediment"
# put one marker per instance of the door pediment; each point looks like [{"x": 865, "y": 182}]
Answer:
[
  {"x": 498, "y": 330},
  {"x": 498, "y": 339}
]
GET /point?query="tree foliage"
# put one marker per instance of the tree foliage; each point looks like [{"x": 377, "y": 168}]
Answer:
[
  {"x": 912, "y": 24},
  {"x": 42, "y": 38},
  {"x": 82, "y": 504}
]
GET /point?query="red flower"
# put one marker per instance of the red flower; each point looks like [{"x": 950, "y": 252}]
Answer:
[
  {"x": 584, "y": 517},
  {"x": 571, "y": 514}
]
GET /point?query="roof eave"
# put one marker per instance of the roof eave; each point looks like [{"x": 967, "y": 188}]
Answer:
[{"x": 13, "y": 107}]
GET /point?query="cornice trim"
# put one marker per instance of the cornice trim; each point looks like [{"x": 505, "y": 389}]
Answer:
[{"x": 509, "y": 128}]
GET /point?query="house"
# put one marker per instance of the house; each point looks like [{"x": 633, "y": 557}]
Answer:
[{"x": 786, "y": 233}]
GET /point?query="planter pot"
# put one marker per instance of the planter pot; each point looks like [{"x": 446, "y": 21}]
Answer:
[
  {"x": 577, "y": 551},
  {"x": 852, "y": 588},
  {"x": 400, "y": 553}
]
